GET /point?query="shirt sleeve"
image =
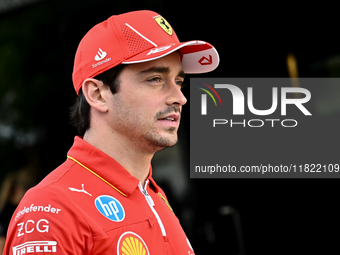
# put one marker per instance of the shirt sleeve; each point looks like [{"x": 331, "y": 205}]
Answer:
[{"x": 47, "y": 222}]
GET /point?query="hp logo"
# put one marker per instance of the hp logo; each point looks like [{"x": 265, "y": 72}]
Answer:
[{"x": 110, "y": 207}]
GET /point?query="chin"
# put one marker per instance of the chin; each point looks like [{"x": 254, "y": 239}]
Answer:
[
  {"x": 160, "y": 140},
  {"x": 162, "y": 143}
]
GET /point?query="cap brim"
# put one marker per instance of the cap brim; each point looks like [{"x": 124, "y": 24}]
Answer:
[{"x": 197, "y": 56}]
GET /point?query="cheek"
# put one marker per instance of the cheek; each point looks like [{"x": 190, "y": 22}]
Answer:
[
  {"x": 122, "y": 109},
  {"x": 131, "y": 112},
  {"x": 138, "y": 104},
  {"x": 144, "y": 106}
]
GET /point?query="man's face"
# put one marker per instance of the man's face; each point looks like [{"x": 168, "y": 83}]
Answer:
[{"x": 146, "y": 110}]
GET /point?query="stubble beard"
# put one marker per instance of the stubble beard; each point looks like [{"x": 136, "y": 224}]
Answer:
[
  {"x": 158, "y": 142},
  {"x": 149, "y": 140}
]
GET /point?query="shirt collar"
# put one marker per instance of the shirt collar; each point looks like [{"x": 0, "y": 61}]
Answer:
[{"x": 105, "y": 167}]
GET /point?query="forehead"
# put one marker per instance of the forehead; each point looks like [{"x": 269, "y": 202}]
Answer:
[{"x": 168, "y": 64}]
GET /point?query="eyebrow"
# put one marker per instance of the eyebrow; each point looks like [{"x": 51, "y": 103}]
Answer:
[{"x": 156, "y": 69}]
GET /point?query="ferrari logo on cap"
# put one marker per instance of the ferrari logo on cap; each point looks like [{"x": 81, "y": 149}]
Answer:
[{"x": 164, "y": 24}]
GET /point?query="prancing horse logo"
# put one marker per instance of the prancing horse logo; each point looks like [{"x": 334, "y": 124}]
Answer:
[{"x": 164, "y": 24}]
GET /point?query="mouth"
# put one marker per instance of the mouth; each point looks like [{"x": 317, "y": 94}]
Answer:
[
  {"x": 170, "y": 120},
  {"x": 171, "y": 117}
]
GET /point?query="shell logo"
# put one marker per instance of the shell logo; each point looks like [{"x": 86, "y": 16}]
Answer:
[{"x": 130, "y": 243}]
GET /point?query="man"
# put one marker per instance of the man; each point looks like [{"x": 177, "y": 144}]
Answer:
[{"x": 128, "y": 73}]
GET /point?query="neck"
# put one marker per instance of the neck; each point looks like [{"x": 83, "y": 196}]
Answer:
[{"x": 136, "y": 161}]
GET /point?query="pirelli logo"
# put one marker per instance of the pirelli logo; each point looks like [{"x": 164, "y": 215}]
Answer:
[{"x": 35, "y": 246}]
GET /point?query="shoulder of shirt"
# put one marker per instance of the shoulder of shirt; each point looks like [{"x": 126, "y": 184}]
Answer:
[
  {"x": 52, "y": 195},
  {"x": 50, "y": 185}
]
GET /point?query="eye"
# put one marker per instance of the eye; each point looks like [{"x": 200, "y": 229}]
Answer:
[
  {"x": 155, "y": 79},
  {"x": 181, "y": 84}
]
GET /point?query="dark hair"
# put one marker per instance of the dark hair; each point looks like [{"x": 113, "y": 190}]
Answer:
[{"x": 80, "y": 111}]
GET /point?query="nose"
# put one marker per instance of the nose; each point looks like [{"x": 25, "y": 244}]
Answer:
[{"x": 176, "y": 96}]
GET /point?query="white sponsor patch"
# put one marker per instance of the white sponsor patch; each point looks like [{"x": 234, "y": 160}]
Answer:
[
  {"x": 37, "y": 208},
  {"x": 160, "y": 49},
  {"x": 101, "y": 54},
  {"x": 80, "y": 190},
  {"x": 35, "y": 246},
  {"x": 101, "y": 62},
  {"x": 29, "y": 226}
]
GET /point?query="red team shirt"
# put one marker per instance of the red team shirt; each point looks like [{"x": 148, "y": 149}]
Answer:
[{"x": 92, "y": 205}]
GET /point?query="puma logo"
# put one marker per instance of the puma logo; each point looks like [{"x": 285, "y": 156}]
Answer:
[{"x": 80, "y": 190}]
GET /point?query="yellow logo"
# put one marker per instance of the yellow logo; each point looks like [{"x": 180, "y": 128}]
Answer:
[
  {"x": 132, "y": 244},
  {"x": 164, "y": 24}
]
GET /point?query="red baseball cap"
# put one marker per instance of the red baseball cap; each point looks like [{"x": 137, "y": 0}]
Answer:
[{"x": 136, "y": 37}]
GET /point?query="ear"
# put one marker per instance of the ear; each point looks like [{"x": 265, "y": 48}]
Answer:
[{"x": 95, "y": 93}]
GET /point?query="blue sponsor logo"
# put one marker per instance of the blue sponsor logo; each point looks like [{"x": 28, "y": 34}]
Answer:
[{"x": 110, "y": 207}]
